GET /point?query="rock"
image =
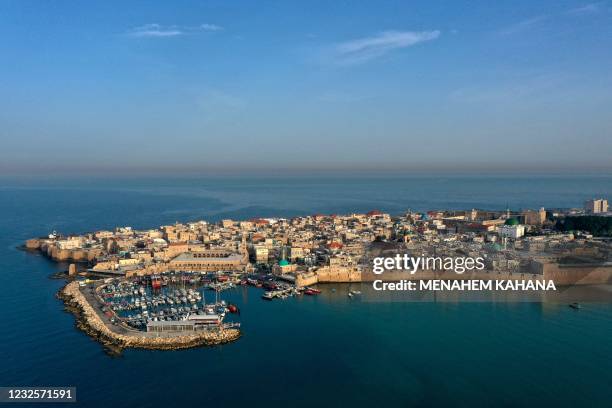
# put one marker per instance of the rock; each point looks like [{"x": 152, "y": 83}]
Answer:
[{"x": 33, "y": 244}]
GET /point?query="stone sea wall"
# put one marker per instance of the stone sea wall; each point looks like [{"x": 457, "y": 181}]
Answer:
[
  {"x": 57, "y": 254},
  {"x": 89, "y": 321}
]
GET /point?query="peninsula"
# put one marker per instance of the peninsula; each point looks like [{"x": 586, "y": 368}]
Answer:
[{"x": 144, "y": 288}]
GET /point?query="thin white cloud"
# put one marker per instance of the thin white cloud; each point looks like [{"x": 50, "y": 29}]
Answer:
[
  {"x": 535, "y": 22},
  {"x": 154, "y": 30},
  {"x": 590, "y": 8},
  {"x": 157, "y": 30},
  {"x": 368, "y": 48},
  {"x": 524, "y": 25},
  {"x": 210, "y": 27}
]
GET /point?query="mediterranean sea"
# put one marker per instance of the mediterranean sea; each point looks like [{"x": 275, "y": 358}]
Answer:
[{"x": 326, "y": 350}]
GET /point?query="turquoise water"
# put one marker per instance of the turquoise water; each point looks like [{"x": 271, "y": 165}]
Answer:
[{"x": 326, "y": 350}]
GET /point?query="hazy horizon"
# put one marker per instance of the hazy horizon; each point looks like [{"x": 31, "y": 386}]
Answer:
[
  {"x": 318, "y": 172},
  {"x": 424, "y": 86}
]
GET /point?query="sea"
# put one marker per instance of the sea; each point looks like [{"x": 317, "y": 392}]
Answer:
[{"x": 326, "y": 350}]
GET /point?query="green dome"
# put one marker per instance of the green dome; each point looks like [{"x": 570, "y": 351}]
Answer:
[
  {"x": 512, "y": 221},
  {"x": 283, "y": 262}
]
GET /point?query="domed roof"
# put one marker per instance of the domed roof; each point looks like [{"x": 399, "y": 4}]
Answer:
[
  {"x": 283, "y": 262},
  {"x": 512, "y": 221}
]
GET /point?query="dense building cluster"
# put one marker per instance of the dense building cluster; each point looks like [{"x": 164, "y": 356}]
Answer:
[{"x": 329, "y": 248}]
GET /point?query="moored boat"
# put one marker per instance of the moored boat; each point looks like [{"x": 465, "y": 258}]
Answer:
[{"x": 313, "y": 290}]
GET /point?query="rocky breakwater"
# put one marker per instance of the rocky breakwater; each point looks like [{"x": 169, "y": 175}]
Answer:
[{"x": 90, "y": 322}]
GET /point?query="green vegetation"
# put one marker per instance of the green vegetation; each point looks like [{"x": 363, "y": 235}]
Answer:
[{"x": 598, "y": 226}]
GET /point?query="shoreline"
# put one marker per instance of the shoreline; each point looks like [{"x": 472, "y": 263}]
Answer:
[{"x": 90, "y": 322}]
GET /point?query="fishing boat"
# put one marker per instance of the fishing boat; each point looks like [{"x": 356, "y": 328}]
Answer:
[
  {"x": 270, "y": 285},
  {"x": 313, "y": 290},
  {"x": 267, "y": 296}
]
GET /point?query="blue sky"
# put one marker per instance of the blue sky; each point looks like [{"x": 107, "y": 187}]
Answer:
[{"x": 305, "y": 85}]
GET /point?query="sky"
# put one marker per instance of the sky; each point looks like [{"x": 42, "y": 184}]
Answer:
[{"x": 251, "y": 85}]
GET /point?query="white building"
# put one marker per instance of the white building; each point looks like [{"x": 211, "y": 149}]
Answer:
[{"x": 511, "y": 229}]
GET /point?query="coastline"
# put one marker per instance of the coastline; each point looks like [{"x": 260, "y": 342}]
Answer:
[{"x": 90, "y": 322}]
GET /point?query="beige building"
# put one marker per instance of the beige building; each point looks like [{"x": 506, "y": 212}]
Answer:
[
  {"x": 596, "y": 206},
  {"x": 283, "y": 268},
  {"x": 209, "y": 261},
  {"x": 261, "y": 253},
  {"x": 296, "y": 253},
  {"x": 533, "y": 217},
  {"x": 129, "y": 261}
]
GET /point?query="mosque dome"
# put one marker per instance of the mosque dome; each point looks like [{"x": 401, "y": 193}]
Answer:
[
  {"x": 283, "y": 262},
  {"x": 511, "y": 221}
]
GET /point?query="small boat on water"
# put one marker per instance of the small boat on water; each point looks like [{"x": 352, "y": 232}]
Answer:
[
  {"x": 267, "y": 296},
  {"x": 575, "y": 305},
  {"x": 270, "y": 285},
  {"x": 350, "y": 294},
  {"x": 313, "y": 290}
]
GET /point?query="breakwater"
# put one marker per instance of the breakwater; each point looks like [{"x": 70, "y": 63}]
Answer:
[{"x": 91, "y": 323}]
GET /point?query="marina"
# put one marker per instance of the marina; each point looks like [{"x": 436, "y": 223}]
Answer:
[
  {"x": 151, "y": 302},
  {"x": 167, "y": 305},
  {"x": 166, "y": 335}
]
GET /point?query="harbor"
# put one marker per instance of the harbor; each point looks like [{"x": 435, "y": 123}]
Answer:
[
  {"x": 173, "y": 310},
  {"x": 153, "y": 303},
  {"x": 122, "y": 329}
]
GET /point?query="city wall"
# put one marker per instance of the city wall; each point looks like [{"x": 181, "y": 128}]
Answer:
[
  {"x": 574, "y": 274},
  {"x": 57, "y": 254}
]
